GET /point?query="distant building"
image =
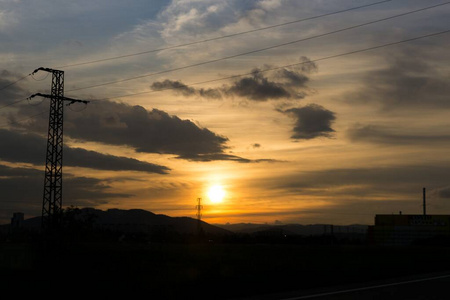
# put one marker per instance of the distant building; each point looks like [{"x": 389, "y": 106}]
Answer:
[{"x": 407, "y": 229}]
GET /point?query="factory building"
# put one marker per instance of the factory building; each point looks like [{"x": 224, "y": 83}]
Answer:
[
  {"x": 408, "y": 229},
  {"x": 400, "y": 229}
]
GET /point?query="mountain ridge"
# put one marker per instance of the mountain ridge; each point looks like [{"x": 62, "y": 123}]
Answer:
[
  {"x": 296, "y": 229},
  {"x": 133, "y": 220},
  {"x": 144, "y": 221}
]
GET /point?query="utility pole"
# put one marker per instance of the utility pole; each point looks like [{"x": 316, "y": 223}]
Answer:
[
  {"x": 424, "y": 202},
  {"x": 52, "y": 200}
]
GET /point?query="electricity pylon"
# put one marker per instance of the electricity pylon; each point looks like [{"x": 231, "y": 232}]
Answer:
[
  {"x": 199, "y": 208},
  {"x": 52, "y": 200}
]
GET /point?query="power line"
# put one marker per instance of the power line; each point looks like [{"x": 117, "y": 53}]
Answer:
[
  {"x": 292, "y": 65},
  {"x": 265, "y": 70},
  {"x": 221, "y": 37},
  {"x": 18, "y": 80},
  {"x": 275, "y": 68},
  {"x": 17, "y": 101},
  {"x": 257, "y": 50},
  {"x": 12, "y": 103},
  {"x": 13, "y": 83},
  {"x": 25, "y": 119}
]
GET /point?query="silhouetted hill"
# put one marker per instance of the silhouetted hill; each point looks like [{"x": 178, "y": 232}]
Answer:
[
  {"x": 295, "y": 229},
  {"x": 136, "y": 220},
  {"x": 142, "y": 220},
  {"x": 81, "y": 222}
]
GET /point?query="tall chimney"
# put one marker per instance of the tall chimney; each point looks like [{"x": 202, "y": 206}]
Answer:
[{"x": 424, "y": 203}]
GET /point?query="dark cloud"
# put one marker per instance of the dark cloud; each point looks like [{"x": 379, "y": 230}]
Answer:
[
  {"x": 293, "y": 77},
  {"x": 215, "y": 157},
  {"x": 180, "y": 88},
  {"x": 22, "y": 190},
  {"x": 444, "y": 192},
  {"x": 306, "y": 65},
  {"x": 30, "y": 148},
  {"x": 90, "y": 159},
  {"x": 261, "y": 85},
  {"x": 85, "y": 190},
  {"x": 146, "y": 131},
  {"x": 284, "y": 83},
  {"x": 222, "y": 156},
  {"x": 392, "y": 136},
  {"x": 177, "y": 86},
  {"x": 297, "y": 75},
  {"x": 311, "y": 121},
  {"x": 411, "y": 79},
  {"x": 258, "y": 88}
]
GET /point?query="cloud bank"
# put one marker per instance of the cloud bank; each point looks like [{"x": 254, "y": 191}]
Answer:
[
  {"x": 30, "y": 148},
  {"x": 154, "y": 131}
]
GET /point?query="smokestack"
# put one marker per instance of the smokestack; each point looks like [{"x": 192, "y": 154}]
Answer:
[{"x": 424, "y": 203}]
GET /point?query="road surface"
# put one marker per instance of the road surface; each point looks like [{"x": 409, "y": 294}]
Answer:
[{"x": 422, "y": 287}]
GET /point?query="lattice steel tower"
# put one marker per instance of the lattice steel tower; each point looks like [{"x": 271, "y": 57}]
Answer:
[
  {"x": 199, "y": 208},
  {"x": 52, "y": 200}
]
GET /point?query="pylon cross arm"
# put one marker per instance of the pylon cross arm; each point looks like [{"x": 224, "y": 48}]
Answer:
[
  {"x": 72, "y": 101},
  {"x": 44, "y": 69}
]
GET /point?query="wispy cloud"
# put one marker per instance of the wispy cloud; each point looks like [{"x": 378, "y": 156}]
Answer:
[
  {"x": 409, "y": 80},
  {"x": 393, "y": 136}
]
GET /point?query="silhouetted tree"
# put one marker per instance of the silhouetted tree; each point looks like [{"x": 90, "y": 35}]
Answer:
[{"x": 78, "y": 223}]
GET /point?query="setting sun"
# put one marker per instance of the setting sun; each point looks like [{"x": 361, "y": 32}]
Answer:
[{"x": 216, "y": 193}]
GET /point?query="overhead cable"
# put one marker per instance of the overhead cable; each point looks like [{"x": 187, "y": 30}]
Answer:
[
  {"x": 290, "y": 65},
  {"x": 219, "y": 37},
  {"x": 257, "y": 50},
  {"x": 265, "y": 70},
  {"x": 25, "y": 119},
  {"x": 13, "y": 83}
]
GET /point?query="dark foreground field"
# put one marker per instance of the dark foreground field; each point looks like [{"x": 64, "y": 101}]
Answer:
[{"x": 204, "y": 270}]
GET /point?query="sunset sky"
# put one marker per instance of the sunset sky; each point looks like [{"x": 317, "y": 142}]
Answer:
[{"x": 301, "y": 111}]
